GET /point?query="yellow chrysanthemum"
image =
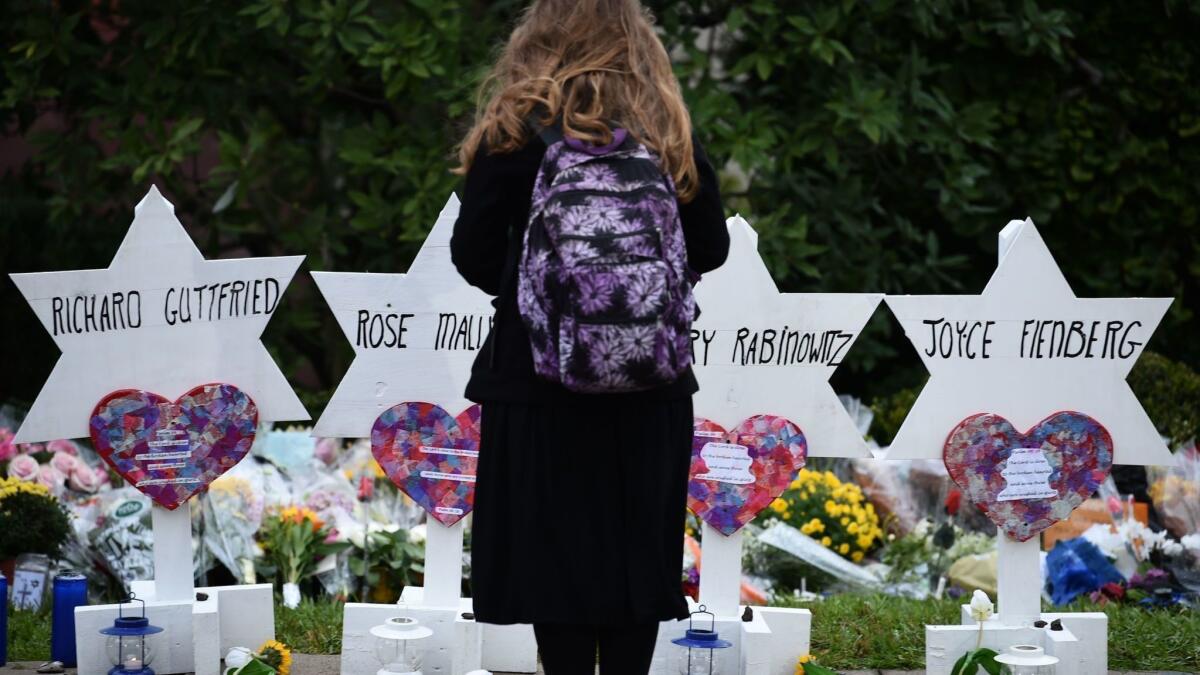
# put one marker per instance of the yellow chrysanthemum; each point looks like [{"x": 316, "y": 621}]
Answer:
[
  {"x": 857, "y": 556},
  {"x": 779, "y": 505},
  {"x": 844, "y": 549},
  {"x": 826, "y": 542}
]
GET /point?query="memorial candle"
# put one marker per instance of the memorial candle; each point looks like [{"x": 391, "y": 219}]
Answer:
[
  {"x": 3, "y": 620},
  {"x": 70, "y": 591}
]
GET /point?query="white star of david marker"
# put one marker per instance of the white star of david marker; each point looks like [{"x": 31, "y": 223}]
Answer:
[
  {"x": 759, "y": 351},
  {"x": 160, "y": 318},
  {"x": 1025, "y": 349},
  {"x": 415, "y": 335}
]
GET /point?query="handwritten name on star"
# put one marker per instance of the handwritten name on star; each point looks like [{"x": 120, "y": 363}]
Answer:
[
  {"x": 1032, "y": 339},
  {"x": 126, "y": 310}
]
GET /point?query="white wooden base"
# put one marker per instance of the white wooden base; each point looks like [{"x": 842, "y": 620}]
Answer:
[
  {"x": 175, "y": 645},
  {"x": 769, "y": 644},
  {"x": 197, "y": 634},
  {"x": 1082, "y": 645},
  {"x": 457, "y": 646}
]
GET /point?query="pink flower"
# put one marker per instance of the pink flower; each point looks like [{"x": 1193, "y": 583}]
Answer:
[
  {"x": 326, "y": 450},
  {"x": 23, "y": 467},
  {"x": 30, "y": 448},
  {"x": 62, "y": 445},
  {"x": 50, "y": 477},
  {"x": 64, "y": 463},
  {"x": 7, "y": 449},
  {"x": 84, "y": 479},
  {"x": 6, "y": 434}
]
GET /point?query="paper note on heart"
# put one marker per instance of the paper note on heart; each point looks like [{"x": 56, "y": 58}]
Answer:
[
  {"x": 737, "y": 474},
  {"x": 430, "y": 455},
  {"x": 172, "y": 450},
  {"x": 1026, "y": 482}
]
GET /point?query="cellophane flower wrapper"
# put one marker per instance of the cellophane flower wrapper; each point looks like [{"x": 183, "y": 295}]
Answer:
[
  {"x": 233, "y": 512},
  {"x": 123, "y": 536},
  {"x": 885, "y": 487},
  {"x": 327, "y": 492},
  {"x": 1175, "y": 491},
  {"x": 794, "y": 542},
  {"x": 387, "y": 505}
]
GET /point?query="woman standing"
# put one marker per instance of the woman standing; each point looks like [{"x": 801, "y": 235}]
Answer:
[{"x": 580, "y": 497}]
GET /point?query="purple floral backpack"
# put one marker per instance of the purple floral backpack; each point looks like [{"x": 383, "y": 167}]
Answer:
[{"x": 603, "y": 282}]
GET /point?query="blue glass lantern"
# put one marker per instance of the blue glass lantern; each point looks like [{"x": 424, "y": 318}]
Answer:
[
  {"x": 702, "y": 645},
  {"x": 131, "y": 642}
]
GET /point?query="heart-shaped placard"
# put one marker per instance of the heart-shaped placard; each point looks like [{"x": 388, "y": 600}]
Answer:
[
  {"x": 171, "y": 451},
  {"x": 1026, "y": 482},
  {"x": 430, "y": 455},
  {"x": 737, "y": 474}
]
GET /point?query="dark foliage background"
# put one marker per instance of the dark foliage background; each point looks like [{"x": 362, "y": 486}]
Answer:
[{"x": 875, "y": 145}]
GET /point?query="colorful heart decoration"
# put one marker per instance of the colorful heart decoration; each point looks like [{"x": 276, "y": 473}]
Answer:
[
  {"x": 736, "y": 474},
  {"x": 172, "y": 451},
  {"x": 1026, "y": 482},
  {"x": 430, "y": 455}
]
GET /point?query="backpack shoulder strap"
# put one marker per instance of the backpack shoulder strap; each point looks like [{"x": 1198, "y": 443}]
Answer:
[{"x": 551, "y": 134}]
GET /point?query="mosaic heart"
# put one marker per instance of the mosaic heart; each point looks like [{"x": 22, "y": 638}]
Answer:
[
  {"x": 1026, "y": 482},
  {"x": 171, "y": 451},
  {"x": 736, "y": 474},
  {"x": 430, "y": 455}
]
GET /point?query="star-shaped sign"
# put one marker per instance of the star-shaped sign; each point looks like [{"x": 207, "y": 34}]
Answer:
[
  {"x": 415, "y": 335},
  {"x": 160, "y": 318},
  {"x": 1025, "y": 349},
  {"x": 759, "y": 351}
]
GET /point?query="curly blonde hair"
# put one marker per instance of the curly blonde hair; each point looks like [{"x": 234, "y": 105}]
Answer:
[{"x": 592, "y": 63}]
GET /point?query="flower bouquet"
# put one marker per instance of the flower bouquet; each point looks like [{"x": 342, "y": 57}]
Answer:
[
  {"x": 273, "y": 658},
  {"x": 294, "y": 539},
  {"x": 830, "y": 511}
]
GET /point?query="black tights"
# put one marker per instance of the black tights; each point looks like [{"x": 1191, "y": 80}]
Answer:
[{"x": 569, "y": 649}]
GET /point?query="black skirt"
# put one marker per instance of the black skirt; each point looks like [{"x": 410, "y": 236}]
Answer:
[{"x": 579, "y": 512}]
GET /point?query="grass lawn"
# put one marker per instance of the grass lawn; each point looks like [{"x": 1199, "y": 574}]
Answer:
[
  {"x": 859, "y": 632},
  {"x": 850, "y": 632}
]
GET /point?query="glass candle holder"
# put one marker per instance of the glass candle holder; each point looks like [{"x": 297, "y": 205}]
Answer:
[
  {"x": 70, "y": 591},
  {"x": 1026, "y": 660}
]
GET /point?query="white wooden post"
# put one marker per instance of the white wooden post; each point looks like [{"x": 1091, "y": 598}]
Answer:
[
  {"x": 1018, "y": 580},
  {"x": 173, "y": 575},
  {"x": 1018, "y": 564},
  {"x": 443, "y": 563},
  {"x": 720, "y": 571}
]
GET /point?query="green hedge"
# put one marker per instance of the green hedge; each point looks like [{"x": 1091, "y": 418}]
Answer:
[{"x": 877, "y": 146}]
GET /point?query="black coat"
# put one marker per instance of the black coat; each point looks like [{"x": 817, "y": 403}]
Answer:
[{"x": 486, "y": 246}]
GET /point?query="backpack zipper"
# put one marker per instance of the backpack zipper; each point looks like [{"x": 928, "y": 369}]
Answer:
[{"x": 597, "y": 237}]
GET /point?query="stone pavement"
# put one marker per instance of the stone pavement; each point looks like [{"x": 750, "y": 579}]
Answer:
[{"x": 328, "y": 665}]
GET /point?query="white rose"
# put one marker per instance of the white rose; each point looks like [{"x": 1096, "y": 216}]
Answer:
[
  {"x": 981, "y": 606},
  {"x": 238, "y": 657},
  {"x": 417, "y": 534}
]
